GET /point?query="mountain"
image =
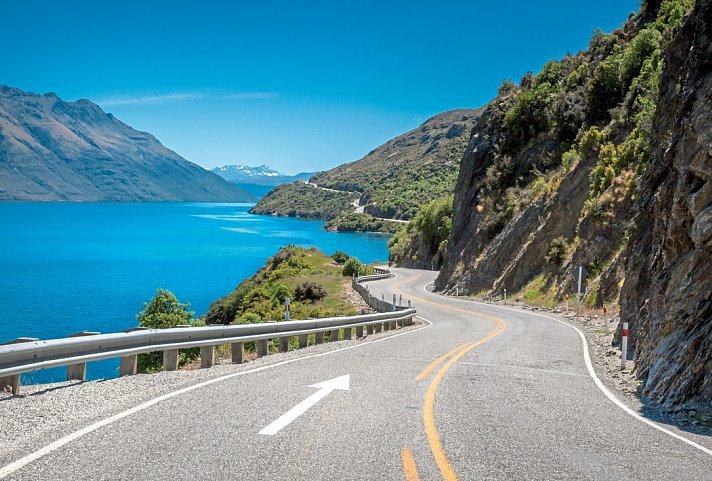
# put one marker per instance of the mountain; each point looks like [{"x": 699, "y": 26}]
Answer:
[
  {"x": 73, "y": 151},
  {"x": 257, "y": 180},
  {"x": 391, "y": 182},
  {"x": 260, "y": 175},
  {"x": 600, "y": 160}
]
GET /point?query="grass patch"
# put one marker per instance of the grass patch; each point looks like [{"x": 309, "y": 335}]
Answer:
[{"x": 540, "y": 292}]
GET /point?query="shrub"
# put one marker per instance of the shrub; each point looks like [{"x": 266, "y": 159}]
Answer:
[
  {"x": 557, "y": 251},
  {"x": 352, "y": 267},
  {"x": 162, "y": 312},
  {"x": 309, "y": 291},
  {"x": 279, "y": 294},
  {"x": 340, "y": 257}
]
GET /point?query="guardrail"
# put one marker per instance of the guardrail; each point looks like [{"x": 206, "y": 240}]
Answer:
[{"x": 29, "y": 354}]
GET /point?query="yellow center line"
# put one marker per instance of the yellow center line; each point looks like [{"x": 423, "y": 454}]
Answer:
[
  {"x": 411, "y": 472},
  {"x": 433, "y": 365},
  {"x": 446, "y": 469}
]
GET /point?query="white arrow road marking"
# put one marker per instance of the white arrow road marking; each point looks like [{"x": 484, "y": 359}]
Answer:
[{"x": 325, "y": 388}]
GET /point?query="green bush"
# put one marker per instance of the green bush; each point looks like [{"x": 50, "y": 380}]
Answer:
[
  {"x": 557, "y": 251},
  {"x": 279, "y": 293},
  {"x": 162, "y": 312},
  {"x": 340, "y": 257},
  {"x": 352, "y": 267}
]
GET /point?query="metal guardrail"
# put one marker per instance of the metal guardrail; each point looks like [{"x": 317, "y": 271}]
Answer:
[{"x": 28, "y": 354}]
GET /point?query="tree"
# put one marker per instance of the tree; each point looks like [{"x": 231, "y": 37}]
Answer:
[
  {"x": 352, "y": 266},
  {"x": 164, "y": 311}
]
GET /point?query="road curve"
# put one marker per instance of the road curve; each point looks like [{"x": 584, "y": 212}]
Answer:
[{"x": 477, "y": 392}]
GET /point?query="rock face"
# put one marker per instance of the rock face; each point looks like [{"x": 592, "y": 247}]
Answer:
[
  {"x": 667, "y": 295},
  {"x": 54, "y": 150}
]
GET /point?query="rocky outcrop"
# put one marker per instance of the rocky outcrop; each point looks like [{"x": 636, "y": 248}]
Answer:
[
  {"x": 667, "y": 297},
  {"x": 74, "y": 151}
]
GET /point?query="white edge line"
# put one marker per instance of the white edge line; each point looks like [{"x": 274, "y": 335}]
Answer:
[
  {"x": 592, "y": 372},
  {"x": 25, "y": 460}
]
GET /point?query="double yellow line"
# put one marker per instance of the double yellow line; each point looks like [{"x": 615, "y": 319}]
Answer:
[{"x": 446, "y": 360}]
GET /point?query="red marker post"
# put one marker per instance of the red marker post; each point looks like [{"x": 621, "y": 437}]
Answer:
[
  {"x": 605, "y": 319},
  {"x": 624, "y": 345}
]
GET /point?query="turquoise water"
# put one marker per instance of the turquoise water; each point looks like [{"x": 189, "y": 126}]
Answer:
[{"x": 67, "y": 267}]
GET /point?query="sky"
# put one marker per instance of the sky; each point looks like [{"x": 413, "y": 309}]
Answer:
[{"x": 297, "y": 85}]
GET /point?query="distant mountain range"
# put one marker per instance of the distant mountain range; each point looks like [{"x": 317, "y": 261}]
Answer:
[
  {"x": 74, "y": 151},
  {"x": 257, "y": 180}
]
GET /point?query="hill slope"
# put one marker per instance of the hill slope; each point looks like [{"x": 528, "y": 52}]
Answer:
[
  {"x": 602, "y": 159},
  {"x": 74, "y": 151},
  {"x": 390, "y": 182}
]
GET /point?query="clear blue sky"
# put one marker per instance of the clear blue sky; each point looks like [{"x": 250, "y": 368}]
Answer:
[{"x": 293, "y": 84}]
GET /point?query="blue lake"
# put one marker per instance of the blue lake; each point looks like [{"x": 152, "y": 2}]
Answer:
[{"x": 68, "y": 267}]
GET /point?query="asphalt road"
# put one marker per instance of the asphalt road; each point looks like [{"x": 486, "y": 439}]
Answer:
[{"x": 513, "y": 400}]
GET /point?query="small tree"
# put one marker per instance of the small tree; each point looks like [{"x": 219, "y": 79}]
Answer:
[
  {"x": 164, "y": 311},
  {"x": 280, "y": 293},
  {"x": 340, "y": 257},
  {"x": 352, "y": 266}
]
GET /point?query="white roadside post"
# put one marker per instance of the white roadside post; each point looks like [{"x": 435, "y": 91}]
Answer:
[
  {"x": 624, "y": 345},
  {"x": 394, "y": 302},
  {"x": 457, "y": 291},
  {"x": 287, "y": 302},
  {"x": 400, "y": 300},
  {"x": 505, "y": 295}
]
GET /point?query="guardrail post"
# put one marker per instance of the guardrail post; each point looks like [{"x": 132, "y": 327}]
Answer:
[
  {"x": 170, "y": 360},
  {"x": 303, "y": 341},
  {"x": 13, "y": 382},
  {"x": 319, "y": 337},
  {"x": 262, "y": 347},
  {"x": 334, "y": 335},
  {"x": 386, "y": 326},
  {"x": 128, "y": 366},
  {"x": 78, "y": 372},
  {"x": 347, "y": 334},
  {"x": 369, "y": 329},
  {"x": 207, "y": 356},
  {"x": 359, "y": 332},
  {"x": 284, "y": 344},
  {"x": 238, "y": 352}
]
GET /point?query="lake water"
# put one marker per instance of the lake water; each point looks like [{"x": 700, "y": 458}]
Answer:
[{"x": 68, "y": 267}]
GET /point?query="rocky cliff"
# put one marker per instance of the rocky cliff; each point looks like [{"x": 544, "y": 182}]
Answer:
[
  {"x": 74, "y": 151},
  {"x": 667, "y": 295},
  {"x": 602, "y": 159}
]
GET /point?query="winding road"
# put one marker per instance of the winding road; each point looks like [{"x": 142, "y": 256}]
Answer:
[{"x": 475, "y": 392}]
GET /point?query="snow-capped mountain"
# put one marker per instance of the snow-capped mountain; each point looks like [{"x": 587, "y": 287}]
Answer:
[{"x": 257, "y": 180}]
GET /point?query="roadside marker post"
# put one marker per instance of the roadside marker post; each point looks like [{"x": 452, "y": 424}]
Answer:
[
  {"x": 579, "y": 274},
  {"x": 505, "y": 295},
  {"x": 457, "y": 291},
  {"x": 287, "y": 302},
  {"x": 400, "y": 300},
  {"x": 394, "y": 302},
  {"x": 624, "y": 345},
  {"x": 605, "y": 319}
]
